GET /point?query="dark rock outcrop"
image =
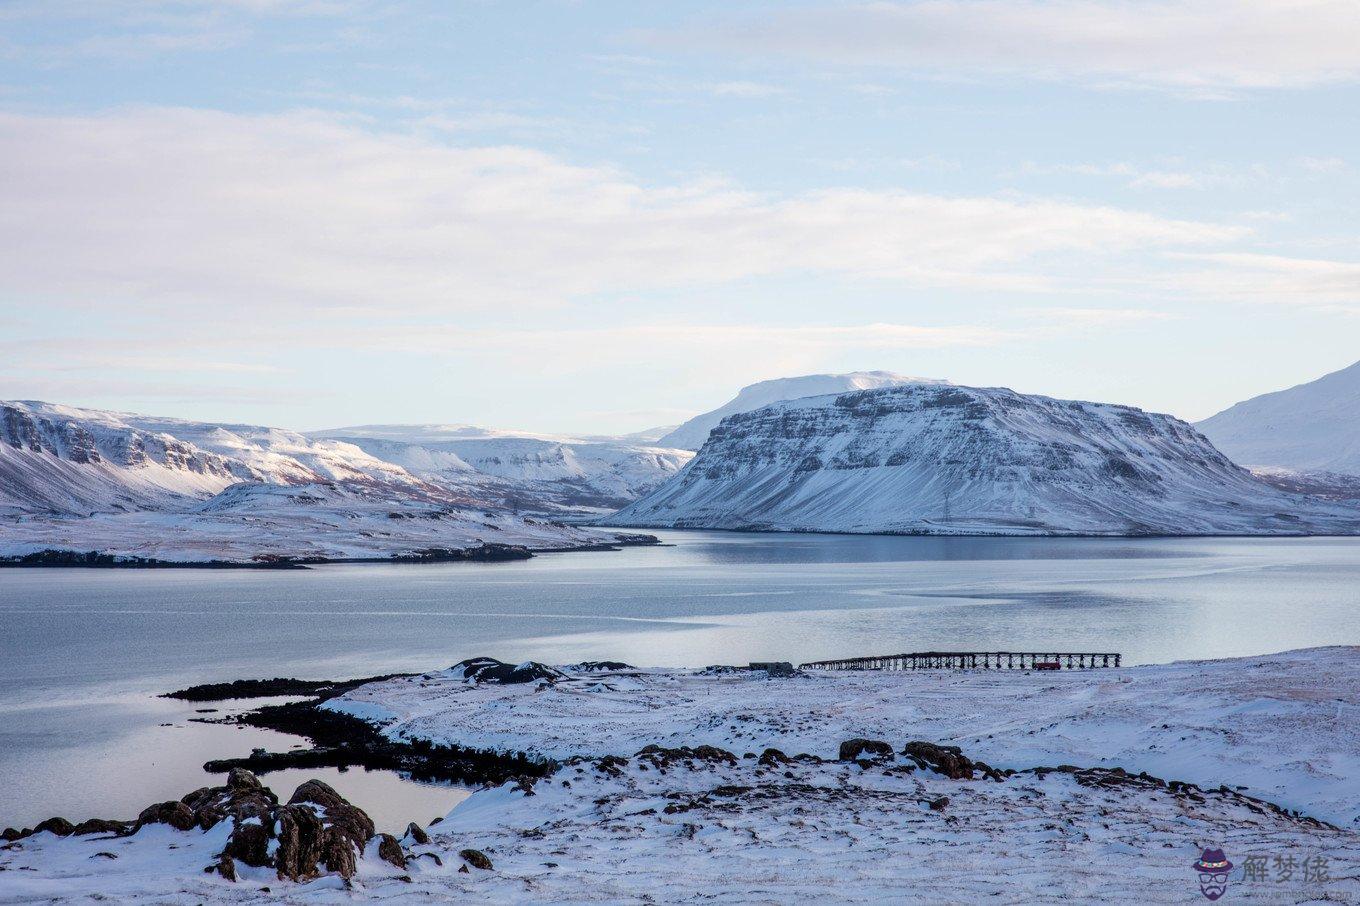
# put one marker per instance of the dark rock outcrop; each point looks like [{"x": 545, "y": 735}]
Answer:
[
  {"x": 59, "y": 826},
  {"x": 389, "y": 850},
  {"x": 874, "y": 749},
  {"x": 948, "y": 760},
  {"x": 174, "y": 813},
  {"x": 476, "y": 858},
  {"x": 490, "y": 670}
]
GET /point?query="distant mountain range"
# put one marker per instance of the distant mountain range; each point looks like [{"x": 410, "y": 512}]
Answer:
[
  {"x": 85, "y": 479},
  {"x": 861, "y": 452},
  {"x": 944, "y": 459}
]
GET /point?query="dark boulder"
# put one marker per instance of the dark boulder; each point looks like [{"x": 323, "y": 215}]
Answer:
[
  {"x": 101, "y": 826},
  {"x": 875, "y": 749},
  {"x": 389, "y": 850},
  {"x": 771, "y": 757},
  {"x": 319, "y": 827},
  {"x": 417, "y": 833},
  {"x": 476, "y": 858},
  {"x": 59, "y": 826},
  {"x": 243, "y": 797},
  {"x": 948, "y": 760},
  {"x": 176, "y": 814}
]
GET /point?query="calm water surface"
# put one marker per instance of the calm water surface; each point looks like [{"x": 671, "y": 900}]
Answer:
[{"x": 85, "y": 651}]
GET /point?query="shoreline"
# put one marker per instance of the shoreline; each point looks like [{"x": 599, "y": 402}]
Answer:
[
  {"x": 914, "y": 763},
  {"x": 488, "y": 552}
]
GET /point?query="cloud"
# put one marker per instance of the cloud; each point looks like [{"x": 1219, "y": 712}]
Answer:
[
  {"x": 1205, "y": 46},
  {"x": 1313, "y": 282},
  {"x": 1170, "y": 174},
  {"x": 213, "y": 214}
]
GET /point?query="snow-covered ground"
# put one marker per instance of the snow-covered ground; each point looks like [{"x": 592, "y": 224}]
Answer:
[
  {"x": 650, "y": 828},
  {"x": 679, "y": 828},
  {"x": 1286, "y": 726},
  {"x": 252, "y": 521}
]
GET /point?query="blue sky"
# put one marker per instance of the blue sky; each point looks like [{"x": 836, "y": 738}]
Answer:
[{"x": 597, "y": 217}]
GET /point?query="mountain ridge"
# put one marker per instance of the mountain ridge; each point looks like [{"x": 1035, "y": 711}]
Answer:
[{"x": 944, "y": 459}]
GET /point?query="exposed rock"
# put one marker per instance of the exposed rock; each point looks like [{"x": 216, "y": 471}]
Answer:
[
  {"x": 877, "y": 750},
  {"x": 417, "y": 833},
  {"x": 771, "y": 757},
  {"x": 948, "y": 760},
  {"x": 490, "y": 670},
  {"x": 593, "y": 666},
  {"x": 663, "y": 756},
  {"x": 176, "y": 814},
  {"x": 101, "y": 826},
  {"x": 300, "y": 838},
  {"x": 59, "y": 826},
  {"x": 243, "y": 797},
  {"x": 226, "y": 867},
  {"x": 476, "y": 858},
  {"x": 389, "y": 850}
]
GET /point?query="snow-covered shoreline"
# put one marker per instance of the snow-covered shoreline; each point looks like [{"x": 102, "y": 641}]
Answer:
[{"x": 669, "y": 789}]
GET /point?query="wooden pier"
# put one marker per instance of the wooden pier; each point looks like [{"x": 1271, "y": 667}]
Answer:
[{"x": 974, "y": 660}]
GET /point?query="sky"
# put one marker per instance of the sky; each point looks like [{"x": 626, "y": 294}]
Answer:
[{"x": 597, "y": 217}]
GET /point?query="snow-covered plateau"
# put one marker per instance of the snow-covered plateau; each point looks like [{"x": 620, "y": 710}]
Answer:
[
  {"x": 129, "y": 485},
  {"x": 944, "y": 459},
  {"x": 747, "y": 787}
]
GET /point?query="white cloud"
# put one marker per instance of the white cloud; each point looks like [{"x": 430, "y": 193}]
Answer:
[
  {"x": 1207, "y": 46},
  {"x": 235, "y": 214},
  {"x": 1250, "y": 277}
]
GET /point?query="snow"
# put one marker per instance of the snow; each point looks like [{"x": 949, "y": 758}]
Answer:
[
  {"x": 690, "y": 829},
  {"x": 692, "y": 434},
  {"x": 943, "y": 459},
  {"x": 1286, "y": 725},
  {"x": 1314, "y": 427},
  {"x": 80, "y": 479},
  {"x": 250, "y": 521}
]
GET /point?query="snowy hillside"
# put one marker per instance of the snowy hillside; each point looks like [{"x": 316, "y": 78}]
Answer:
[
  {"x": 692, "y": 434},
  {"x": 82, "y": 479},
  {"x": 1314, "y": 427},
  {"x": 941, "y": 459},
  {"x": 535, "y": 471},
  {"x": 253, "y": 521}
]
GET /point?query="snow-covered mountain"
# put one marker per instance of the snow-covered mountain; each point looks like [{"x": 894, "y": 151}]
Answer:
[
  {"x": 932, "y": 458},
  {"x": 692, "y": 434},
  {"x": 1314, "y": 427},
  {"x": 85, "y": 479},
  {"x": 537, "y": 471}
]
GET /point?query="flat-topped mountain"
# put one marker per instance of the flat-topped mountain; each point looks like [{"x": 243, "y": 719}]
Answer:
[{"x": 943, "y": 459}]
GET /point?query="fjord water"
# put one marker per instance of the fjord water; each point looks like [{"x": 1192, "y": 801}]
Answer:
[{"x": 84, "y": 652}]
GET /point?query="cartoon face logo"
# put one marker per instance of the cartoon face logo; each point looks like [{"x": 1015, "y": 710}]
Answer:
[{"x": 1213, "y": 867}]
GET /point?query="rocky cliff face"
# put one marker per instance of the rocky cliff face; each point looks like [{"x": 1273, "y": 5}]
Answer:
[
  {"x": 942, "y": 459},
  {"x": 55, "y": 459}
]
